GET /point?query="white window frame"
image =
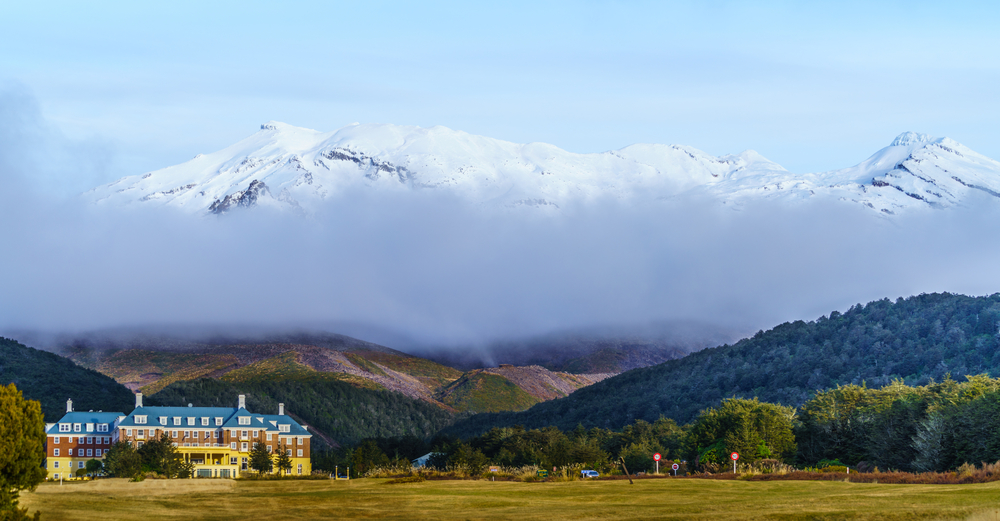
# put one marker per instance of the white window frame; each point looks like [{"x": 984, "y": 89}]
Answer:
[
  {"x": 243, "y": 447},
  {"x": 232, "y": 445},
  {"x": 79, "y": 464},
  {"x": 55, "y": 439},
  {"x": 69, "y": 451},
  {"x": 218, "y": 421},
  {"x": 269, "y": 436},
  {"x": 140, "y": 419},
  {"x": 90, "y": 453},
  {"x": 187, "y": 434},
  {"x": 256, "y": 434},
  {"x": 55, "y": 453},
  {"x": 204, "y": 421},
  {"x": 190, "y": 421},
  {"x": 284, "y": 427},
  {"x": 90, "y": 427},
  {"x": 244, "y": 420},
  {"x": 65, "y": 427},
  {"x": 163, "y": 420},
  {"x": 128, "y": 432},
  {"x": 300, "y": 453},
  {"x": 102, "y": 427},
  {"x": 177, "y": 420},
  {"x": 77, "y": 427}
]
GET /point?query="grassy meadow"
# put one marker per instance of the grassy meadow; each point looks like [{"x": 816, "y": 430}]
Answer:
[{"x": 612, "y": 499}]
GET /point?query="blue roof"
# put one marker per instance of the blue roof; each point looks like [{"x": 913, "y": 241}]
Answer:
[
  {"x": 230, "y": 419},
  {"x": 84, "y": 418}
]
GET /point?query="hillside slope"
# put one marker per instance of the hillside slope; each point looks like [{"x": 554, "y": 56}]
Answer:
[
  {"x": 52, "y": 379},
  {"x": 915, "y": 339}
]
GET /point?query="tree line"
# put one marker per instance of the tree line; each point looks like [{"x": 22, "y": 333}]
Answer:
[{"x": 939, "y": 426}]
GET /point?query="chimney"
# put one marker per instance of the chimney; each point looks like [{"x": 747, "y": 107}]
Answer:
[
  {"x": 138, "y": 400},
  {"x": 69, "y": 405},
  {"x": 281, "y": 409},
  {"x": 243, "y": 402}
]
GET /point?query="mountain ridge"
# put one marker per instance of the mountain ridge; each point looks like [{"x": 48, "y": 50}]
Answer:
[{"x": 298, "y": 169}]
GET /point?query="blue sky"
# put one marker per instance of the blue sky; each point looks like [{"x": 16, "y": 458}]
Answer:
[{"x": 813, "y": 86}]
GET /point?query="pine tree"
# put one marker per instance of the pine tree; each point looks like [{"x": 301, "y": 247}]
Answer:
[
  {"x": 284, "y": 461},
  {"x": 260, "y": 459}
]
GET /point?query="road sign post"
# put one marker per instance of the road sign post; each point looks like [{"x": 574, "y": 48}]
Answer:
[
  {"x": 735, "y": 456},
  {"x": 656, "y": 458},
  {"x": 675, "y": 467}
]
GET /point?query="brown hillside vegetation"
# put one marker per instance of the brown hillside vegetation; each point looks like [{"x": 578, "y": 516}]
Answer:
[{"x": 149, "y": 370}]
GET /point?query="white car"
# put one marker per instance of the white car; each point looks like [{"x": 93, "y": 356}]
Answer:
[{"x": 589, "y": 474}]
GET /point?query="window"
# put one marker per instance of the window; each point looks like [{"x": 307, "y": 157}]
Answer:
[
  {"x": 77, "y": 427},
  {"x": 232, "y": 446},
  {"x": 90, "y": 441},
  {"x": 187, "y": 434},
  {"x": 298, "y": 441},
  {"x": 232, "y": 434},
  {"x": 256, "y": 434},
  {"x": 140, "y": 419},
  {"x": 55, "y": 439},
  {"x": 70, "y": 452},
  {"x": 55, "y": 452},
  {"x": 194, "y": 444},
  {"x": 289, "y": 452},
  {"x": 140, "y": 444},
  {"x": 140, "y": 433},
  {"x": 300, "y": 468},
  {"x": 300, "y": 453},
  {"x": 177, "y": 420},
  {"x": 244, "y": 420},
  {"x": 163, "y": 420},
  {"x": 218, "y": 422},
  {"x": 284, "y": 427},
  {"x": 243, "y": 435},
  {"x": 243, "y": 447},
  {"x": 191, "y": 420},
  {"x": 65, "y": 427},
  {"x": 233, "y": 461},
  {"x": 268, "y": 449},
  {"x": 105, "y": 452},
  {"x": 102, "y": 427},
  {"x": 128, "y": 432},
  {"x": 55, "y": 464},
  {"x": 80, "y": 465},
  {"x": 90, "y": 453},
  {"x": 204, "y": 422},
  {"x": 269, "y": 436},
  {"x": 90, "y": 427}
]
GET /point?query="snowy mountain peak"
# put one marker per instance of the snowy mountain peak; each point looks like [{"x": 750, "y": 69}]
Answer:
[
  {"x": 907, "y": 139},
  {"x": 285, "y": 166}
]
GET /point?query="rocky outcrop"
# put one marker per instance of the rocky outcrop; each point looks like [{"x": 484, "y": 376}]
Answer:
[{"x": 243, "y": 198}]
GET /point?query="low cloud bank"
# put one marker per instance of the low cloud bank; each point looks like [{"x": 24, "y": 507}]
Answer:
[{"x": 428, "y": 270}]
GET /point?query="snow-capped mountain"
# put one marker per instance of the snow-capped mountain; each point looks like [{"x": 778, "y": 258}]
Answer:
[{"x": 297, "y": 168}]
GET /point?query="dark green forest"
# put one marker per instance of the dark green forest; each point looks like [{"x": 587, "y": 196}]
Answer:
[
  {"x": 337, "y": 409},
  {"x": 52, "y": 379},
  {"x": 916, "y": 340}
]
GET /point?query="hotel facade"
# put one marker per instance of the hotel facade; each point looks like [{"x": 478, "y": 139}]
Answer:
[{"x": 215, "y": 440}]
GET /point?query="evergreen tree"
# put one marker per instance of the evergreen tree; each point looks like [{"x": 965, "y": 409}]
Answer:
[
  {"x": 260, "y": 459},
  {"x": 22, "y": 438},
  {"x": 161, "y": 456},
  {"x": 283, "y": 461},
  {"x": 122, "y": 460}
]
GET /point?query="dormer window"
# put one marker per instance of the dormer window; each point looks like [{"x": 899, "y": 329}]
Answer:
[
  {"x": 218, "y": 422},
  {"x": 190, "y": 421},
  {"x": 163, "y": 420},
  {"x": 177, "y": 420},
  {"x": 65, "y": 427},
  {"x": 90, "y": 427},
  {"x": 102, "y": 427},
  {"x": 77, "y": 427},
  {"x": 140, "y": 419},
  {"x": 284, "y": 427},
  {"x": 204, "y": 422},
  {"x": 244, "y": 420}
]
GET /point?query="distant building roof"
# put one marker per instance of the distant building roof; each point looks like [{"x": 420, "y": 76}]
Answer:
[{"x": 83, "y": 418}]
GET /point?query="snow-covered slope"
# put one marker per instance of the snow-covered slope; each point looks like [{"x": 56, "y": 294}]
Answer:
[{"x": 297, "y": 168}]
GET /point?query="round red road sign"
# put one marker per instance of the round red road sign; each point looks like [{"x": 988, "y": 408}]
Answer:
[
  {"x": 735, "y": 456},
  {"x": 657, "y": 456},
  {"x": 675, "y": 466}
]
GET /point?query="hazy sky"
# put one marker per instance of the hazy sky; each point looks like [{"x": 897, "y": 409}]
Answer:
[
  {"x": 92, "y": 92},
  {"x": 811, "y": 85}
]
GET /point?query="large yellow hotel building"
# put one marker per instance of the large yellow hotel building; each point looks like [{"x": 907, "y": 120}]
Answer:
[{"x": 217, "y": 440}]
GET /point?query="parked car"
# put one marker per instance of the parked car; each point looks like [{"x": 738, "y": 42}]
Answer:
[{"x": 589, "y": 474}]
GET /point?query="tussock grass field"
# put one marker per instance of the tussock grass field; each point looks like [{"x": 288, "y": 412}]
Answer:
[{"x": 646, "y": 499}]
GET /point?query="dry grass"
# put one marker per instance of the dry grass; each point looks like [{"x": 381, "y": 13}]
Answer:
[{"x": 433, "y": 499}]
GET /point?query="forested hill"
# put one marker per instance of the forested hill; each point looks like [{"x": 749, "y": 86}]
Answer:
[
  {"x": 52, "y": 379},
  {"x": 916, "y": 339}
]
